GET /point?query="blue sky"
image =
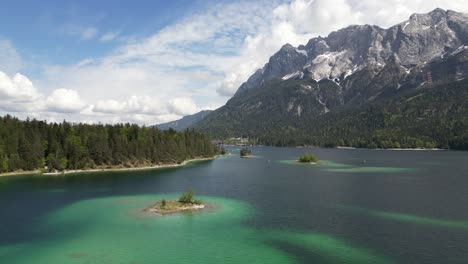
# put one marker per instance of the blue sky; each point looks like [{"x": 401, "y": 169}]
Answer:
[
  {"x": 50, "y": 30},
  {"x": 155, "y": 61}
]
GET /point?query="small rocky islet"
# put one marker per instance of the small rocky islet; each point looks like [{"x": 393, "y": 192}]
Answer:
[{"x": 185, "y": 203}]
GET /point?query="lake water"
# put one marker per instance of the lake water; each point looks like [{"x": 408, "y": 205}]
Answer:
[{"x": 360, "y": 206}]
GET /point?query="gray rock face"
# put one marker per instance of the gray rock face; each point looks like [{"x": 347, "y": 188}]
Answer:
[
  {"x": 287, "y": 60},
  {"x": 414, "y": 42}
]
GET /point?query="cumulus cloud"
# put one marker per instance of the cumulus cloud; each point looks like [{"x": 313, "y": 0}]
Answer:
[
  {"x": 134, "y": 105},
  {"x": 183, "y": 106},
  {"x": 64, "y": 101},
  {"x": 18, "y": 94}
]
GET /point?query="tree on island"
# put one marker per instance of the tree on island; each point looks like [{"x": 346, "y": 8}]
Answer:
[
  {"x": 187, "y": 198},
  {"x": 244, "y": 152},
  {"x": 308, "y": 158}
]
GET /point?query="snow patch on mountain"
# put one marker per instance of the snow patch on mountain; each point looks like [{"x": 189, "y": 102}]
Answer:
[
  {"x": 460, "y": 49},
  {"x": 303, "y": 52},
  {"x": 298, "y": 74}
]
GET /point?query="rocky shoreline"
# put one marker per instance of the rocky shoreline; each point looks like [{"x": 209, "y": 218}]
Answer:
[
  {"x": 106, "y": 169},
  {"x": 173, "y": 207}
]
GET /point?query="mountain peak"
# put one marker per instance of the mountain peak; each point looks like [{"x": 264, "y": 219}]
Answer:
[
  {"x": 437, "y": 11},
  {"x": 421, "y": 39},
  {"x": 433, "y": 17},
  {"x": 287, "y": 47}
]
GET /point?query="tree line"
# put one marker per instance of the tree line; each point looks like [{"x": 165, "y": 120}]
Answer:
[{"x": 34, "y": 144}]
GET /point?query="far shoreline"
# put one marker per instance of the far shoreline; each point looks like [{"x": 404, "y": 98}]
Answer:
[
  {"x": 112, "y": 169},
  {"x": 346, "y": 148}
]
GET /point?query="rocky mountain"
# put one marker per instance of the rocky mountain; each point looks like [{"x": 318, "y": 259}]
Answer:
[
  {"x": 345, "y": 52},
  {"x": 185, "y": 122},
  {"x": 349, "y": 69}
]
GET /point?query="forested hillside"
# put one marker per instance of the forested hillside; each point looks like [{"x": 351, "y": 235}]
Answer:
[
  {"x": 429, "y": 118},
  {"x": 434, "y": 117},
  {"x": 32, "y": 144}
]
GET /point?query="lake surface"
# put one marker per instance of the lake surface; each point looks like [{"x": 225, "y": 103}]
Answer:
[{"x": 360, "y": 206}]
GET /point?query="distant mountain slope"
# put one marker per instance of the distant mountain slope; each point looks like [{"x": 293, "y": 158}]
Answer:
[
  {"x": 185, "y": 122},
  {"x": 435, "y": 117},
  {"x": 302, "y": 93}
]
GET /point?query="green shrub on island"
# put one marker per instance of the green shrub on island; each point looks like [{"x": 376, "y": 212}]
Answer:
[
  {"x": 198, "y": 202},
  {"x": 163, "y": 203},
  {"x": 244, "y": 152},
  {"x": 187, "y": 198},
  {"x": 308, "y": 158}
]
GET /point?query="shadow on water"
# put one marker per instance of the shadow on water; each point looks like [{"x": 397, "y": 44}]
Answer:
[
  {"x": 325, "y": 248},
  {"x": 299, "y": 253},
  {"x": 405, "y": 217}
]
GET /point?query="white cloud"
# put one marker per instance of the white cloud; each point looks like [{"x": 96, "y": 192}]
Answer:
[
  {"x": 18, "y": 94},
  {"x": 185, "y": 60},
  {"x": 183, "y": 106},
  {"x": 65, "y": 101},
  {"x": 10, "y": 60},
  {"x": 109, "y": 36},
  {"x": 134, "y": 105}
]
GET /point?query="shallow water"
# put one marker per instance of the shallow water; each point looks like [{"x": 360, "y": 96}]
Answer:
[{"x": 360, "y": 206}]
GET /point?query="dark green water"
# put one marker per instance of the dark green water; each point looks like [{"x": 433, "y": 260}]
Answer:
[{"x": 359, "y": 206}]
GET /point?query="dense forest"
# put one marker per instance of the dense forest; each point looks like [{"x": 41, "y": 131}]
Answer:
[
  {"x": 431, "y": 117},
  {"x": 33, "y": 144}
]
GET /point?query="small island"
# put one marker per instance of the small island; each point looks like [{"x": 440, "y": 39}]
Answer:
[
  {"x": 186, "y": 203},
  {"x": 308, "y": 158},
  {"x": 245, "y": 153}
]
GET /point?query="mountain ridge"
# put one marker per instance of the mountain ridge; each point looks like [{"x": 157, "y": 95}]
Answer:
[
  {"x": 352, "y": 67},
  {"x": 185, "y": 122},
  {"x": 345, "y": 51}
]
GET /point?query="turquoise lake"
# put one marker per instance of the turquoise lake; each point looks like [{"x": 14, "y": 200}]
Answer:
[{"x": 357, "y": 206}]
